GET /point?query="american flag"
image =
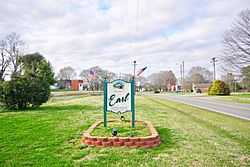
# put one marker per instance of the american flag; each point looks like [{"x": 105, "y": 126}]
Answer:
[
  {"x": 91, "y": 75},
  {"x": 140, "y": 71}
]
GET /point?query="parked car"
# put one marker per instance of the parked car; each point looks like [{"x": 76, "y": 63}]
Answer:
[{"x": 198, "y": 91}]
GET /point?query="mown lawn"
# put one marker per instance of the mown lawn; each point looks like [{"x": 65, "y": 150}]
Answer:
[
  {"x": 233, "y": 97},
  {"x": 50, "y": 136},
  {"x": 124, "y": 129},
  {"x": 237, "y": 97}
]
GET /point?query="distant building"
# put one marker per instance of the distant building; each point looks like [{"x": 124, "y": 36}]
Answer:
[
  {"x": 78, "y": 85},
  {"x": 175, "y": 88},
  {"x": 200, "y": 87}
]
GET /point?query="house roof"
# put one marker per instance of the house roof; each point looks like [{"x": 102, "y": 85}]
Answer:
[{"x": 202, "y": 84}]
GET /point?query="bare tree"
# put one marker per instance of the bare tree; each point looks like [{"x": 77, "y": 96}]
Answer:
[
  {"x": 4, "y": 62},
  {"x": 156, "y": 81},
  {"x": 230, "y": 81},
  {"x": 197, "y": 74},
  {"x": 126, "y": 77},
  {"x": 15, "y": 49},
  {"x": 162, "y": 80},
  {"x": 85, "y": 75},
  {"x": 67, "y": 73},
  {"x": 200, "y": 74},
  {"x": 141, "y": 81},
  {"x": 12, "y": 47},
  {"x": 237, "y": 43},
  {"x": 168, "y": 77},
  {"x": 245, "y": 74},
  {"x": 100, "y": 75}
]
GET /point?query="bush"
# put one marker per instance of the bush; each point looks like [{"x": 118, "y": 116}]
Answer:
[
  {"x": 13, "y": 94},
  {"x": 219, "y": 88},
  {"x": 30, "y": 85},
  {"x": 156, "y": 91}
]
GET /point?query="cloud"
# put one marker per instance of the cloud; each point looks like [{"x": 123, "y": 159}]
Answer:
[{"x": 111, "y": 34}]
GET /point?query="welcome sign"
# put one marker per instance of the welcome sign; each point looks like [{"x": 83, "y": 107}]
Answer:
[{"x": 118, "y": 98}]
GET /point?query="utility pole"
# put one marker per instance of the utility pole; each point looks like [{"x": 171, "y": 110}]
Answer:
[
  {"x": 213, "y": 61},
  {"x": 181, "y": 77}
]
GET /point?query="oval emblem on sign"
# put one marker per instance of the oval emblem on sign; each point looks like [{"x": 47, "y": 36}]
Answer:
[{"x": 119, "y": 84}]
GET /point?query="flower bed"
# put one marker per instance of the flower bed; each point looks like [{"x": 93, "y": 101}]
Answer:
[{"x": 133, "y": 142}]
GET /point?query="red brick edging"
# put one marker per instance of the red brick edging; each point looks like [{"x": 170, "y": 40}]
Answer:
[{"x": 132, "y": 142}]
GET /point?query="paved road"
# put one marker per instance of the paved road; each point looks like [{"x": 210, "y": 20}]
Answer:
[{"x": 234, "y": 109}]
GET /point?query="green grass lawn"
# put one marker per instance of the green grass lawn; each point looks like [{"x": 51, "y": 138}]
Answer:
[
  {"x": 72, "y": 93},
  {"x": 123, "y": 129},
  {"x": 50, "y": 136},
  {"x": 237, "y": 97},
  {"x": 233, "y": 97}
]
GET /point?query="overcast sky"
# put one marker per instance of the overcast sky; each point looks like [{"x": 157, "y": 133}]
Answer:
[{"x": 159, "y": 34}]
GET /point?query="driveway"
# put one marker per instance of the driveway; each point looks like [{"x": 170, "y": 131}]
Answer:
[{"x": 234, "y": 109}]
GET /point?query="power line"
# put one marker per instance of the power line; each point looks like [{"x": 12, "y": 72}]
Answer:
[
  {"x": 128, "y": 28},
  {"x": 137, "y": 16},
  {"x": 144, "y": 15},
  {"x": 136, "y": 27}
]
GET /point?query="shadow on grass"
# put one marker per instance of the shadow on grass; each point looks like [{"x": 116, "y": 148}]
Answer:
[
  {"x": 56, "y": 108},
  {"x": 167, "y": 141},
  {"x": 68, "y": 107}
]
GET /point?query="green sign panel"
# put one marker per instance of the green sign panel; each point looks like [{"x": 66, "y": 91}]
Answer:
[{"x": 119, "y": 98}]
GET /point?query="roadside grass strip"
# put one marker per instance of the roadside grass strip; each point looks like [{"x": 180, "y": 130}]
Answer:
[{"x": 190, "y": 136}]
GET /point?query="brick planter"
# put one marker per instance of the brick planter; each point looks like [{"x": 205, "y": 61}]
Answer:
[{"x": 132, "y": 142}]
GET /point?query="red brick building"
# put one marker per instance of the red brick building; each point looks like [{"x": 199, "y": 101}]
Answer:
[{"x": 77, "y": 85}]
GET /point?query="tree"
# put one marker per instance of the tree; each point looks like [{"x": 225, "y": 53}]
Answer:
[
  {"x": 126, "y": 77},
  {"x": 15, "y": 49},
  {"x": 168, "y": 77},
  {"x": 29, "y": 85},
  {"x": 229, "y": 79},
  {"x": 162, "y": 80},
  {"x": 155, "y": 81},
  {"x": 237, "y": 43},
  {"x": 219, "y": 88},
  {"x": 5, "y": 61},
  {"x": 12, "y": 47},
  {"x": 198, "y": 74},
  {"x": 141, "y": 81},
  {"x": 245, "y": 73},
  {"x": 100, "y": 75},
  {"x": 67, "y": 73}
]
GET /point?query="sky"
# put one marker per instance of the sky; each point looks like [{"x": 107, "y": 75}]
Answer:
[{"x": 159, "y": 34}]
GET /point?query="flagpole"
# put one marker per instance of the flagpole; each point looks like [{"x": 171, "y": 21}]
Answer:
[
  {"x": 91, "y": 79},
  {"x": 92, "y": 86},
  {"x": 134, "y": 75},
  {"x": 134, "y": 67}
]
